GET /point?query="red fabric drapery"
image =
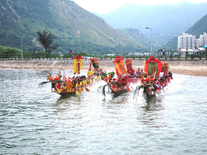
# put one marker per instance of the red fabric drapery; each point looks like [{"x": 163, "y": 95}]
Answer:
[{"x": 152, "y": 59}]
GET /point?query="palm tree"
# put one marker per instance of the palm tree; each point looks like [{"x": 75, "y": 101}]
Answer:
[{"x": 46, "y": 38}]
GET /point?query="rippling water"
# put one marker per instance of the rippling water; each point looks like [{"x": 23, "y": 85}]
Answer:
[{"x": 34, "y": 120}]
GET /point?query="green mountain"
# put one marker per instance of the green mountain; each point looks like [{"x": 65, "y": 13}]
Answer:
[
  {"x": 197, "y": 29},
  {"x": 75, "y": 28},
  {"x": 165, "y": 20},
  {"x": 139, "y": 37}
]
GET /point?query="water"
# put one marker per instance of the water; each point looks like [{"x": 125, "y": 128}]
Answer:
[{"x": 35, "y": 121}]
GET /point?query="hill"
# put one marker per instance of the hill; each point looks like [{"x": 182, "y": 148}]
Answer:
[
  {"x": 197, "y": 29},
  {"x": 139, "y": 37},
  {"x": 75, "y": 28},
  {"x": 165, "y": 20}
]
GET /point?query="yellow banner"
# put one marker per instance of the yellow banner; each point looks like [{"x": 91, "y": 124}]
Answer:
[
  {"x": 77, "y": 65},
  {"x": 128, "y": 63},
  {"x": 120, "y": 67}
]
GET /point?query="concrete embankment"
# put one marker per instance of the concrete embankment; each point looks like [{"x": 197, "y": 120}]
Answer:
[{"x": 189, "y": 67}]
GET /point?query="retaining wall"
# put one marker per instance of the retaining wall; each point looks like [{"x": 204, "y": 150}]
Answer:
[{"x": 56, "y": 63}]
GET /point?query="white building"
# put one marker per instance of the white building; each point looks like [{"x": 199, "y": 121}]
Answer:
[
  {"x": 202, "y": 40},
  {"x": 186, "y": 41},
  {"x": 189, "y": 41}
]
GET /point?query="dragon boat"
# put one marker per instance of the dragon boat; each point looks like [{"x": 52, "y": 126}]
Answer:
[
  {"x": 117, "y": 88},
  {"x": 82, "y": 83},
  {"x": 132, "y": 76},
  {"x": 125, "y": 76},
  {"x": 74, "y": 86},
  {"x": 155, "y": 78},
  {"x": 120, "y": 84},
  {"x": 65, "y": 86}
]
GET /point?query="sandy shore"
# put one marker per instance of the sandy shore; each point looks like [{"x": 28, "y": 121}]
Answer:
[
  {"x": 190, "y": 70},
  {"x": 186, "y": 70}
]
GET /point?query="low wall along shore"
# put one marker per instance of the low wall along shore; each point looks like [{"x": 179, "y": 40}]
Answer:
[{"x": 188, "y": 67}]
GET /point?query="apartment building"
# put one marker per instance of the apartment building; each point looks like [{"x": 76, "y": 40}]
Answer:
[
  {"x": 202, "y": 40},
  {"x": 189, "y": 41}
]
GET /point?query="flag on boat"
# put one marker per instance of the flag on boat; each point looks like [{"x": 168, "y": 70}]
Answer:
[
  {"x": 153, "y": 65},
  {"x": 95, "y": 64},
  {"x": 77, "y": 64},
  {"x": 165, "y": 67},
  {"x": 119, "y": 64},
  {"x": 128, "y": 63}
]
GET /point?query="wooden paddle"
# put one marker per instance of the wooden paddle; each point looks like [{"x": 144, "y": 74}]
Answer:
[
  {"x": 128, "y": 88},
  {"x": 80, "y": 90},
  {"x": 87, "y": 89},
  {"x": 76, "y": 92}
]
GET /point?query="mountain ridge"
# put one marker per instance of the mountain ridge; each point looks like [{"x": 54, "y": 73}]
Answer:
[
  {"x": 165, "y": 20},
  {"x": 74, "y": 26}
]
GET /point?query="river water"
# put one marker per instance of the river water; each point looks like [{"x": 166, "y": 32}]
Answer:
[{"x": 33, "y": 120}]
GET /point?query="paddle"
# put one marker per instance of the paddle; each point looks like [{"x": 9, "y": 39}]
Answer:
[
  {"x": 80, "y": 90},
  {"x": 87, "y": 89},
  {"x": 128, "y": 88},
  {"x": 76, "y": 92}
]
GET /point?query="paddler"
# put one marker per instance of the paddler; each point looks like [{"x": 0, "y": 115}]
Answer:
[
  {"x": 130, "y": 71},
  {"x": 90, "y": 72},
  {"x": 53, "y": 88},
  {"x": 144, "y": 78}
]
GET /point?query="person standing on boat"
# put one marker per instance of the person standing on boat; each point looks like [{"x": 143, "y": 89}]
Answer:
[
  {"x": 89, "y": 72},
  {"x": 53, "y": 83}
]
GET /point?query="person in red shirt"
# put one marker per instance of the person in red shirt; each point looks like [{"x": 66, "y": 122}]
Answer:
[
  {"x": 71, "y": 53},
  {"x": 130, "y": 71}
]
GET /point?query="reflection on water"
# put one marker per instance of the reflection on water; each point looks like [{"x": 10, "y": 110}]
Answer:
[{"x": 37, "y": 121}]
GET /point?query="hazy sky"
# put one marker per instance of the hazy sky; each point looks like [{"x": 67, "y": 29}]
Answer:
[{"x": 105, "y": 6}]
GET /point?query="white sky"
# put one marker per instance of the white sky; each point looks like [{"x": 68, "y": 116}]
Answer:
[{"x": 105, "y": 6}]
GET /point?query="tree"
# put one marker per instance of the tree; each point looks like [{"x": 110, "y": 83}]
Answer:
[
  {"x": 46, "y": 38},
  {"x": 9, "y": 52}
]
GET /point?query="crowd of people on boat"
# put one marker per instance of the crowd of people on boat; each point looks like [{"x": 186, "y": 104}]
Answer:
[
  {"x": 125, "y": 79},
  {"x": 155, "y": 82},
  {"x": 80, "y": 83},
  {"x": 151, "y": 78},
  {"x": 76, "y": 83}
]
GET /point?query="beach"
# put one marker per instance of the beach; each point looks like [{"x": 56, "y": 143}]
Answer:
[{"x": 189, "y": 70}]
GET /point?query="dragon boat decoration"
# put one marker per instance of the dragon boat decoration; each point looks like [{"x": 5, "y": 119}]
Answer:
[
  {"x": 132, "y": 75},
  {"x": 66, "y": 85},
  {"x": 120, "y": 84},
  {"x": 155, "y": 77},
  {"x": 124, "y": 78}
]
